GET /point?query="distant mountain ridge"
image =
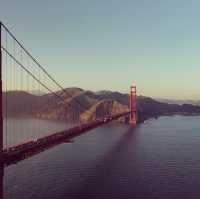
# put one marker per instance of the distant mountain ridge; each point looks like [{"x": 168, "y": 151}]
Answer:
[
  {"x": 180, "y": 102},
  {"x": 96, "y": 104}
]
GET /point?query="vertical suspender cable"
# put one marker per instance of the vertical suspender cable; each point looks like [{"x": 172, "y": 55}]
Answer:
[
  {"x": 15, "y": 138},
  {"x": 1, "y": 95},
  {"x": 6, "y": 90},
  {"x": 21, "y": 89}
]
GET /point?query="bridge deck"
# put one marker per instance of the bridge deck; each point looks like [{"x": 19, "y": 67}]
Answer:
[{"x": 23, "y": 151}]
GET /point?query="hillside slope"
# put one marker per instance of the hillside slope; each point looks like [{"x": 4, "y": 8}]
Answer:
[{"x": 91, "y": 105}]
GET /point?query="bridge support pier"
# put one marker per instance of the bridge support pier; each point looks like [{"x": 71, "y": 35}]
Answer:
[{"x": 133, "y": 106}]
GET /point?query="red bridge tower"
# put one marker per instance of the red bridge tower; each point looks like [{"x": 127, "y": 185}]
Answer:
[{"x": 133, "y": 105}]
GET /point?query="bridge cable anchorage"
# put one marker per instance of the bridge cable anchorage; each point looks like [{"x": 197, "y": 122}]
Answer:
[{"x": 44, "y": 70}]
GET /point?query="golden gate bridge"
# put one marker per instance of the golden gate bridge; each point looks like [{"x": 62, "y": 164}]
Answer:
[{"x": 21, "y": 73}]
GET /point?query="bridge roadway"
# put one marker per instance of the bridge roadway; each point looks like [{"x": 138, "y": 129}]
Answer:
[{"x": 23, "y": 151}]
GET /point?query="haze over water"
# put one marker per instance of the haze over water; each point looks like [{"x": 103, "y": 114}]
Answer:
[{"x": 158, "y": 159}]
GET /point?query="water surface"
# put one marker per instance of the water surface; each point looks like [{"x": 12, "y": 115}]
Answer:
[{"x": 156, "y": 160}]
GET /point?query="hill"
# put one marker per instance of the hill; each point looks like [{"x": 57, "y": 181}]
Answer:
[{"x": 96, "y": 104}]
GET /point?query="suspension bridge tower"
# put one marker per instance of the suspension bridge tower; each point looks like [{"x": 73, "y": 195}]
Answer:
[
  {"x": 133, "y": 105},
  {"x": 1, "y": 96}
]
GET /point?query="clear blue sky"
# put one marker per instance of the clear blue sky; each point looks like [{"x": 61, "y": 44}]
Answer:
[{"x": 108, "y": 44}]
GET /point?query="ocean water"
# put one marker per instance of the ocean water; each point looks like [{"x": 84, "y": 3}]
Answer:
[{"x": 156, "y": 160}]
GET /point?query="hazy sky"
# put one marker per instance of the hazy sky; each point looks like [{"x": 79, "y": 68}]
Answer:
[{"x": 108, "y": 44}]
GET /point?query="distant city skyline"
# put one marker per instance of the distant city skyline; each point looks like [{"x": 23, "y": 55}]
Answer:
[{"x": 109, "y": 45}]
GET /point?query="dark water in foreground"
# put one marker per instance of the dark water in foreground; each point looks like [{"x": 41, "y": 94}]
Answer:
[{"x": 157, "y": 160}]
